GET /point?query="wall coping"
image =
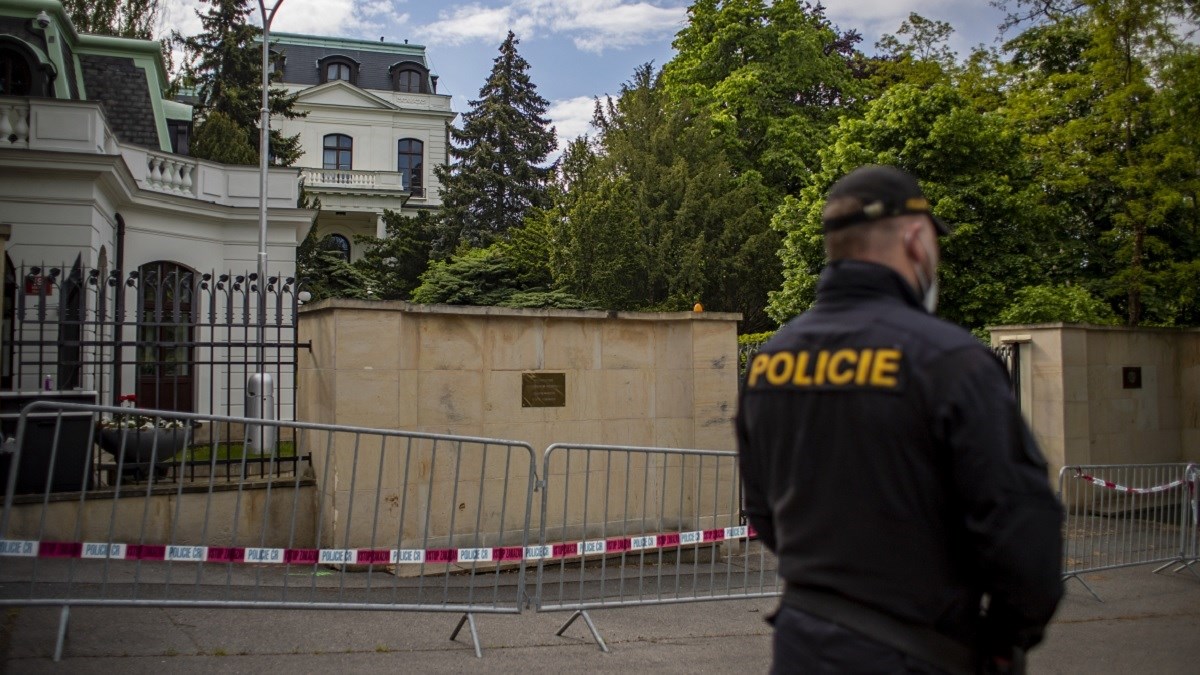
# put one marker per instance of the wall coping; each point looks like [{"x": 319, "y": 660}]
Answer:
[
  {"x": 1089, "y": 326},
  {"x": 330, "y": 304}
]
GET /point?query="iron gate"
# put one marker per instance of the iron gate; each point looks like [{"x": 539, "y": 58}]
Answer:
[{"x": 163, "y": 336}]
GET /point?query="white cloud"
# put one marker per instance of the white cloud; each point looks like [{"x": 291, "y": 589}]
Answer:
[
  {"x": 474, "y": 22},
  {"x": 572, "y": 118},
  {"x": 593, "y": 25},
  {"x": 356, "y": 18},
  {"x": 974, "y": 21},
  {"x": 179, "y": 15}
]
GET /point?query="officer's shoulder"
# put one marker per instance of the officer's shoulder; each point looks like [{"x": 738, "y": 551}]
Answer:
[{"x": 945, "y": 335}]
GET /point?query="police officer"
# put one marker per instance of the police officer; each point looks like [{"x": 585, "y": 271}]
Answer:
[{"x": 886, "y": 464}]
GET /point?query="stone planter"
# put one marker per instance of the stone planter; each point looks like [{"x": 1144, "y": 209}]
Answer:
[{"x": 138, "y": 446}]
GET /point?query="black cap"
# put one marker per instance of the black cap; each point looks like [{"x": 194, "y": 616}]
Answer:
[{"x": 884, "y": 192}]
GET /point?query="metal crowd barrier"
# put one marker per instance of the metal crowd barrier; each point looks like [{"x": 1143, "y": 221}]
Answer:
[
  {"x": 381, "y": 520},
  {"x": 1128, "y": 515},
  {"x": 627, "y": 526}
]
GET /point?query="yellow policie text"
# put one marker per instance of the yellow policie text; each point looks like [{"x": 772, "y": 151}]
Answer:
[{"x": 844, "y": 367}]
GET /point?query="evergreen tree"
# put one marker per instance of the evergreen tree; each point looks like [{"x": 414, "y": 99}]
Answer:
[
  {"x": 654, "y": 217},
  {"x": 325, "y": 273},
  {"x": 394, "y": 264},
  {"x": 219, "y": 139},
  {"x": 225, "y": 67},
  {"x": 495, "y": 178}
]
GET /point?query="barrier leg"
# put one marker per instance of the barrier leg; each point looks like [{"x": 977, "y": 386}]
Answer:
[
  {"x": 63, "y": 620},
  {"x": 591, "y": 626},
  {"x": 1085, "y": 585},
  {"x": 469, "y": 619}
]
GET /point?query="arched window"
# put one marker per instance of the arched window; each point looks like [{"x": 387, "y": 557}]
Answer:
[
  {"x": 408, "y": 81},
  {"x": 409, "y": 77},
  {"x": 409, "y": 163},
  {"x": 339, "y": 243},
  {"x": 16, "y": 73},
  {"x": 165, "y": 332},
  {"x": 339, "y": 150},
  {"x": 337, "y": 71},
  {"x": 337, "y": 67}
]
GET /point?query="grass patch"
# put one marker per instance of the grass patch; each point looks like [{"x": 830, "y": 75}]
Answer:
[{"x": 226, "y": 451}]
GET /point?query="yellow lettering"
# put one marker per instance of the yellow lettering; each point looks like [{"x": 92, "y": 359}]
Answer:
[
  {"x": 864, "y": 367},
  {"x": 822, "y": 363},
  {"x": 802, "y": 379},
  {"x": 777, "y": 376},
  {"x": 758, "y": 367},
  {"x": 887, "y": 364},
  {"x": 836, "y": 374}
]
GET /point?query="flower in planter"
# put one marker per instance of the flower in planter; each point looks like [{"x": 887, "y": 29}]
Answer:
[{"x": 134, "y": 421}]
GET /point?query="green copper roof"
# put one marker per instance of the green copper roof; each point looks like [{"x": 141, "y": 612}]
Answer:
[{"x": 348, "y": 43}]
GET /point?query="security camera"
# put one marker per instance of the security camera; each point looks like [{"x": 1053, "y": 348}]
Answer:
[{"x": 42, "y": 20}]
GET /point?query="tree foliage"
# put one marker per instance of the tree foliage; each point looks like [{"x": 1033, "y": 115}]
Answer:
[
  {"x": 970, "y": 166},
  {"x": 224, "y": 64},
  {"x": 654, "y": 216},
  {"x": 324, "y": 272},
  {"x": 122, "y": 18},
  {"x": 220, "y": 139},
  {"x": 393, "y": 265},
  {"x": 496, "y": 176},
  {"x": 773, "y": 77},
  {"x": 487, "y": 276},
  {"x": 917, "y": 54},
  {"x": 1097, "y": 93},
  {"x": 1049, "y": 304}
]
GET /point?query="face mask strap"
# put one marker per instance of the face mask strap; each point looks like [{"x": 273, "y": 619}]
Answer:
[{"x": 927, "y": 287}]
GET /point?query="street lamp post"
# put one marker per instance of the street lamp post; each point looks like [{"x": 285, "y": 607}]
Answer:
[{"x": 259, "y": 388}]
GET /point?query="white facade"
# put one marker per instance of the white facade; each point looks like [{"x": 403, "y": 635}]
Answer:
[
  {"x": 90, "y": 193},
  {"x": 355, "y": 193}
]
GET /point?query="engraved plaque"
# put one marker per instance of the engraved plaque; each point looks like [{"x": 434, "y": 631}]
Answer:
[
  {"x": 543, "y": 390},
  {"x": 1131, "y": 377}
]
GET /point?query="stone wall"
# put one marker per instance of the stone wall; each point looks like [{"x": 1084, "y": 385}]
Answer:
[
  {"x": 1080, "y": 406},
  {"x": 631, "y": 379},
  {"x": 284, "y": 516}
]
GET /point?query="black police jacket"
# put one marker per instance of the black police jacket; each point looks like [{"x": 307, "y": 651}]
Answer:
[{"x": 885, "y": 462}]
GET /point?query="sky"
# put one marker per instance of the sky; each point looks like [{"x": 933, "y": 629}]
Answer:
[{"x": 577, "y": 49}]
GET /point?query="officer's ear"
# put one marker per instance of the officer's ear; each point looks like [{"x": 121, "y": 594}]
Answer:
[{"x": 912, "y": 241}]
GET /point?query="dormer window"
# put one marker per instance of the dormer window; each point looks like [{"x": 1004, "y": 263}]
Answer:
[
  {"x": 23, "y": 72},
  {"x": 278, "y": 60},
  {"x": 16, "y": 77},
  {"x": 337, "y": 67},
  {"x": 409, "y": 77}
]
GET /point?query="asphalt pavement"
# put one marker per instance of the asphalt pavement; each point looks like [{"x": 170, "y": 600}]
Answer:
[{"x": 1144, "y": 622}]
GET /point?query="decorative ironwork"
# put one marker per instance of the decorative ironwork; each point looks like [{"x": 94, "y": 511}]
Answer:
[
  {"x": 1009, "y": 354},
  {"x": 176, "y": 338}
]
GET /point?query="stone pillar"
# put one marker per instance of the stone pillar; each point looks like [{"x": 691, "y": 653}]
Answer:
[{"x": 380, "y": 227}]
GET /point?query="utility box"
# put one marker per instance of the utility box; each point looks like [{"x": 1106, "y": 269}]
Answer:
[
  {"x": 73, "y": 456},
  {"x": 261, "y": 439}
]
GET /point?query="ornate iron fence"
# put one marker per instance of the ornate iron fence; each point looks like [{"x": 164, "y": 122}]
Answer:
[{"x": 163, "y": 335}]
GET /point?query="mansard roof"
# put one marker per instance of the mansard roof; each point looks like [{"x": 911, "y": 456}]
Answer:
[{"x": 375, "y": 59}]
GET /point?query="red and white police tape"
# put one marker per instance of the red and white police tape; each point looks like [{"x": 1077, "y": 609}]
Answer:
[
  {"x": 1130, "y": 490},
  {"x": 351, "y": 556}
]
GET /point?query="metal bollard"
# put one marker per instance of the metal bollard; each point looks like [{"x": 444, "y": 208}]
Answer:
[{"x": 260, "y": 404}]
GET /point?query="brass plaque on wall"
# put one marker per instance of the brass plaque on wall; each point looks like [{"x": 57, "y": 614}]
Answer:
[{"x": 543, "y": 390}]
